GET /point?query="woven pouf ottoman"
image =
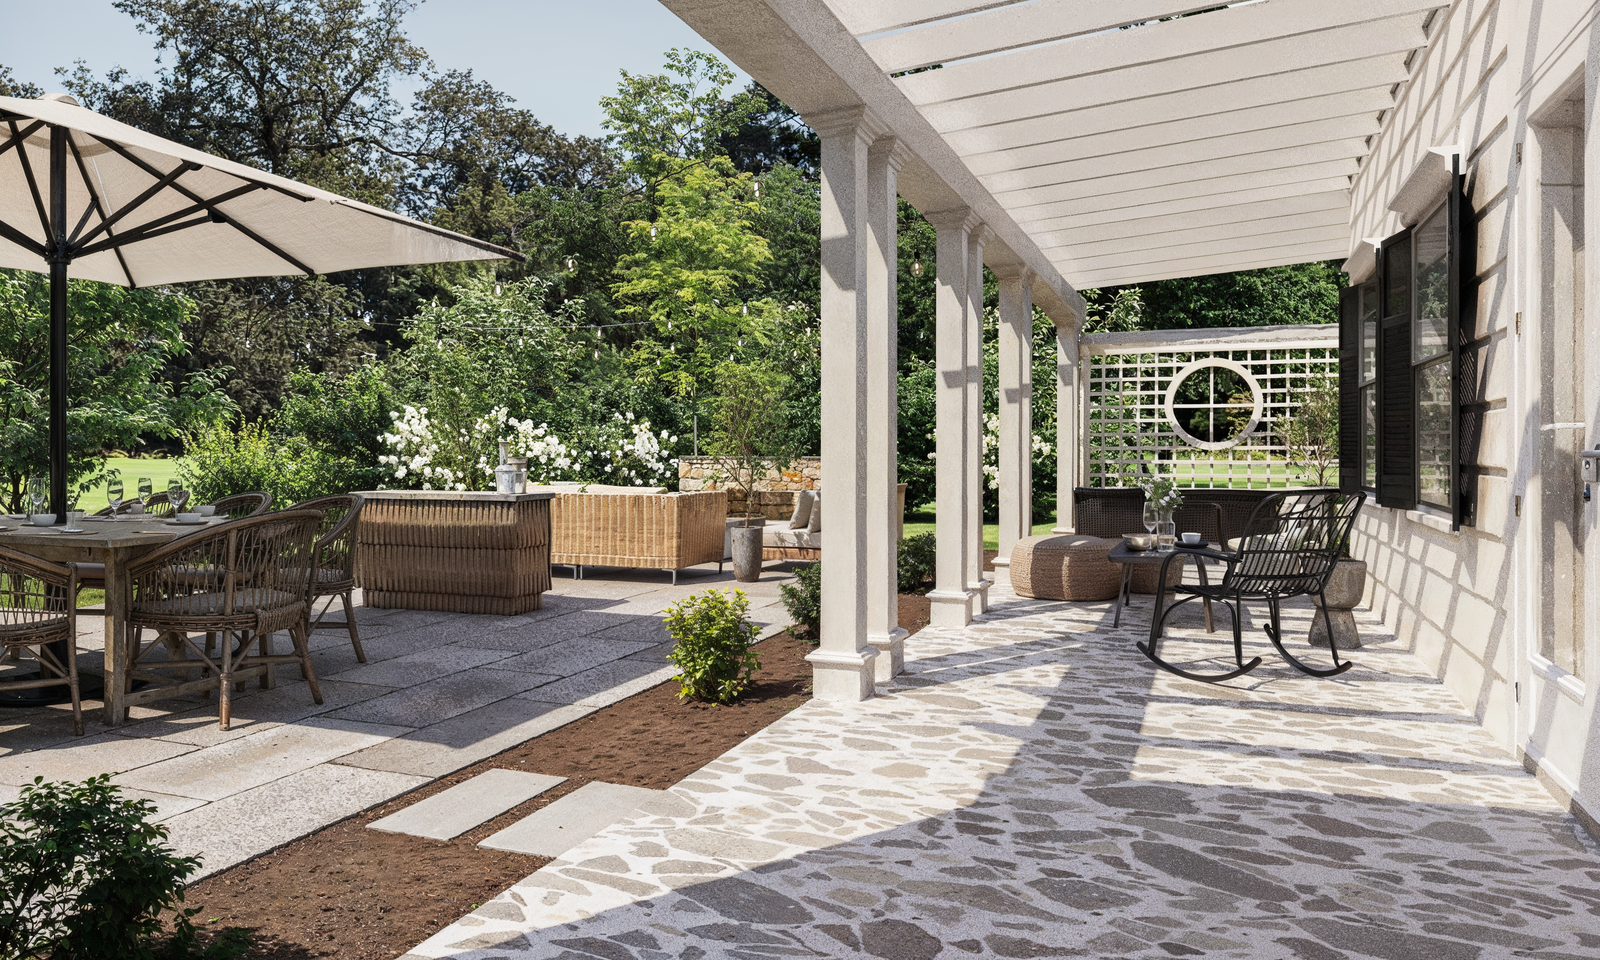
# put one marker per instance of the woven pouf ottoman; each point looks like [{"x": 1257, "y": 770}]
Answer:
[
  {"x": 1144, "y": 576},
  {"x": 1064, "y": 567}
]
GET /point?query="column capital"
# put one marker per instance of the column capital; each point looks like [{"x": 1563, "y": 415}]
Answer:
[
  {"x": 857, "y": 120},
  {"x": 981, "y": 234},
  {"x": 955, "y": 218},
  {"x": 890, "y": 150},
  {"x": 1013, "y": 271}
]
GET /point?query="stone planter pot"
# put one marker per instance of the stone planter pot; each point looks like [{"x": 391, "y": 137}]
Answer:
[
  {"x": 1345, "y": 588},
  {"x": 747, "y": 552}
]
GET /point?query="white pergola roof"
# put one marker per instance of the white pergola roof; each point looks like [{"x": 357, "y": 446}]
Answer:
[{"x": 1125, "y": 146}]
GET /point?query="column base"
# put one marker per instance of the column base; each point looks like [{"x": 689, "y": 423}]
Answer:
[
  {"x": 891, "y": 660},
  {"x": 1002, "y": 570},
  {"x": 980, "y": 595},
  {"x": 949, "y": 608},
  {"x": 843, "y": 677},
  {"x": 1062, "y": 530}
]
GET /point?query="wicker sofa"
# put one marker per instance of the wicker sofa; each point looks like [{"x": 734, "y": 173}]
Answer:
[{"x": 617, "y": 527}]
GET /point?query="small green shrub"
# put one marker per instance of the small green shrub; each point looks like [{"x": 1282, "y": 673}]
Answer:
[
  {"x": 803, "y": 599},
  {"x": 712, "y": 652},
  {"x": 915, "y": 564},
  {"x": 84, "y": 875}
]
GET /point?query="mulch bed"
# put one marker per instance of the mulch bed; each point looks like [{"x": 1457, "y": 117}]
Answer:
[{"x": 358, "y": 894}]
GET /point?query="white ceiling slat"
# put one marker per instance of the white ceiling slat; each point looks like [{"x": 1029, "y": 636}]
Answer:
[
  {"x": 1170, "y": 41},
  {"x": 1245, "y": 242},
  {"x": 865, "y": 17},
  {"x": 1287, "y": 231},
  {"x": 1068, "y": 202},
  {"x": 1367, "y": 104},
  {"x": 1199, "y": 203},
  {"x": 1351, "y": 77},
  {"x": 1351, "y": 131},
  {"x": 1019, "y": 25},
  {"x": 1283, "y": 58},
  {"x": 1140, "y": 266},
  {"x": 1262, "y": 163},
  {"x": 1206, "y": 266},
  {"x": 1309, "y": 205}
]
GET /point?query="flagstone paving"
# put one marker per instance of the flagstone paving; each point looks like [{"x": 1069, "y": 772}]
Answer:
[
  {"x": 440, "y": 691},
  {"x": 1033, "y": 787}
]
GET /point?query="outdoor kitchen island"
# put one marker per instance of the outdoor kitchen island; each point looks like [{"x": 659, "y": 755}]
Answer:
[{"x": 464, "y": 552}]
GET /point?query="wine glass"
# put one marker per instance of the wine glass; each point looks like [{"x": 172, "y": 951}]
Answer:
[
  {"x": 114, "y": 494},
  {"x": 37, "y": 493},
  {"x": 1152, "y": 515},
  {"x": 146, "y": 488},
  {"x": 174, "y": 493}
]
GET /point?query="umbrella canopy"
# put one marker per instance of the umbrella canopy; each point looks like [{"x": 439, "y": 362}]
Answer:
[{"x": 84, "y": 196}]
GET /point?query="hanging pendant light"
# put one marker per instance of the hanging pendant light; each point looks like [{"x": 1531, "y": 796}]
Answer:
[{"x": 916, "y": 268}]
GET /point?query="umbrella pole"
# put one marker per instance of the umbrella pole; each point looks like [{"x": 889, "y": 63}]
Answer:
[{"x": 58, "y": 323}]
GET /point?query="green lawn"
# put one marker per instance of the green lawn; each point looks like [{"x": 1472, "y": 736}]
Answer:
[
  {"x": 158, "y": 470},
  {"x": 921, "y": 521}
]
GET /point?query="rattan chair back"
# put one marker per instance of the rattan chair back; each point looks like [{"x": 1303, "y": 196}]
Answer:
[
  {"x": 1291, "y": 544},
  {"x": 336, "y": 540},
  {"x": 38, "y": 606},
  {"x": 242, "y": 505},
  {"x": 245, "y": 574}
]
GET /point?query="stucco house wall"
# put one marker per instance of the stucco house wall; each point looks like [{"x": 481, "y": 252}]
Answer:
[{"x": 1464, "y": 600}]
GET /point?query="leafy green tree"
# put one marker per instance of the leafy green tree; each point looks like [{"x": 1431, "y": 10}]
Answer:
[
  {"x": 1299, "y": 293},
  {"x": 118, "y": 343},
  {"x": 772, "y": 136},
  {"x": 749, "y": 431}
]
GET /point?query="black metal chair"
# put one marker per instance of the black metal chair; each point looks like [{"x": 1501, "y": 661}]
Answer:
[{"x": 1289, "y": 548}]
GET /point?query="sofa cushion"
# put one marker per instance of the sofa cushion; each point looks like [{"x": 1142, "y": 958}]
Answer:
[
  {"x": 780, "y": 537},
  {"x": 814, "y": 525},
  {"x": 802, "y": 510}
]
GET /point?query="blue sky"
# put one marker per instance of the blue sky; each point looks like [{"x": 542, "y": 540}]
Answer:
[{"x": 557, "y": 57}]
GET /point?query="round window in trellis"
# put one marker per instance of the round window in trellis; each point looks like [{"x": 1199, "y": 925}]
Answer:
[{"x": 1214, "y": 403}]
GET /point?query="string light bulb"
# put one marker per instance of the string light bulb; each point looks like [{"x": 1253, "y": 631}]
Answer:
[
  {"x": 572, "y": 264},
  {"x": 916, "y": 268}
]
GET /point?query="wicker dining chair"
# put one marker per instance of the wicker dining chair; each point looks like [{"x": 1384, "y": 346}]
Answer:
[
  {"x": 242, "y": 505},
  {"x": 38, "y": 610},
  {"x": 1289, "y": 549},
  {"x": 159, "y": 505},
  {"x": 335, "y": 574},
  {"x": 243, "y": 580}
]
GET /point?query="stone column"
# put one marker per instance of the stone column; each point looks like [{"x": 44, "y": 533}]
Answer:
[
  {"x": 842, "y": 666},
  {"x": 1068, "y": 444},
  {"x": 884, "y": 159},
  {"x": 1016, "y": 410},
  {"x": 977, "y": 582},
  {"x": 951, "y": 600}
]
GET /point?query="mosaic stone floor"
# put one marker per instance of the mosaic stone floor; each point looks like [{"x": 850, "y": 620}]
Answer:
[{"x": 1031, "y": 787}]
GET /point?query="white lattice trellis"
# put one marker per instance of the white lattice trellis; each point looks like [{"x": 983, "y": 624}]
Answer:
[{"x": 1135, "y": 417}]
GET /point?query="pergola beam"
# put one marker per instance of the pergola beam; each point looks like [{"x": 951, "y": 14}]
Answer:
[
  {"x": 1318, "y": 207},
  {"x": 1283, "y": 184}
]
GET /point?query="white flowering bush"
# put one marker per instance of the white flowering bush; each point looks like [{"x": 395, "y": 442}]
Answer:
[
  {"x": 425, "y": 453},
  {"x": 1042, "y": 451}
]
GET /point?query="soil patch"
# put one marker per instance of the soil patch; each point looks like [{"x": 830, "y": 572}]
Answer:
[{"x": 358, "y": 894}]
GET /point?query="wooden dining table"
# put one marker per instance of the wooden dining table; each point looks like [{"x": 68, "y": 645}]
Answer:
[{"x": 115, "y": 543}]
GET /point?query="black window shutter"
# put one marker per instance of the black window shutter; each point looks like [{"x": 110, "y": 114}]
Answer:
[
  {"x": 1397, "y": 422},
  {"x": 1349, "y": 390},
  {"x": 1467, "y": 408}
]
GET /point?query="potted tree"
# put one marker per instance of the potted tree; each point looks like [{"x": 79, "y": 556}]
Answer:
[
  {"x": 1312, "y": 436},
  {"x": 749, "y": 437}
]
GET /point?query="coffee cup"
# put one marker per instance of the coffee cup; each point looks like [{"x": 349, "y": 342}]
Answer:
[{"x": 1191, "y": 539}]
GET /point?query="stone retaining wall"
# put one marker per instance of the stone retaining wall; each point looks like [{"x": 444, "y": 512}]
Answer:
[{"x": 774, "y": 492}]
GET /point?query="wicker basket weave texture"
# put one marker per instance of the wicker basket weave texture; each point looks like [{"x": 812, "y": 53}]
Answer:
[
  {"x": 461, "y": 556},
  {"x": 1063, "y": 567},
  {"x": 665, "y": 531},
  {"x": 1144, "y": 576}
]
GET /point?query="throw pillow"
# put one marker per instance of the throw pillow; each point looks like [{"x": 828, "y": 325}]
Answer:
[
  {"x": 815, "y": 525},
  {"x": 802, "y": 510}
]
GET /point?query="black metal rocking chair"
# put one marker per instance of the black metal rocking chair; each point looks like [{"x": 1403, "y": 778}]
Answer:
[{"x": 1289, "y": 549}]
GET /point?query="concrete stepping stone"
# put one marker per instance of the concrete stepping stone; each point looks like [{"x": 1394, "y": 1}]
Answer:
[
  {"x": 553, "y": 830},
  {"x": 452, "y": 812}
]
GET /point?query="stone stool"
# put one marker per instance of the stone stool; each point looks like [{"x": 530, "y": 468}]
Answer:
[
  {"x": 1064, "y": 567},
  {"x": 1344, "y": 590}
]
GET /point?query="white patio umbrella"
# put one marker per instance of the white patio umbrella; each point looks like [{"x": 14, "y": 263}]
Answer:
[{"x": 84, "y": 196}]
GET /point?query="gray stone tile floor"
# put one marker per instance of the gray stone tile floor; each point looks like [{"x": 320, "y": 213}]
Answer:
[
  {"x": 1032, "y": 787},
  {"x": 439, "y": 692}
]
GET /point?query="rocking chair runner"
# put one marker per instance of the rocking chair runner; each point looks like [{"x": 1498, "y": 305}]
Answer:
[{"x": 1290, "y": 547}]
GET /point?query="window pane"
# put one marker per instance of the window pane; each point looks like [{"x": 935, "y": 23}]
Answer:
[
  {"x": 1369, "y": 331},
  {"x": 1433, "y": 433},
  {"x": 1432, "y": 242},
  {"x": 1397, "y": 271},
  {"x": 1369, "y": 436}
]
